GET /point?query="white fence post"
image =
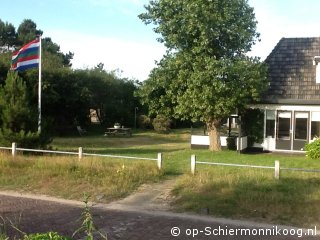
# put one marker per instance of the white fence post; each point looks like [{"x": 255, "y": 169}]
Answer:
[
  {"x": 277, "y": 169},
  {"x": 159, "y": 161},
  {"x": 80, "y": 153},
  {"x": 193, "y": 163},
  {"x": 14, "y": 149}
]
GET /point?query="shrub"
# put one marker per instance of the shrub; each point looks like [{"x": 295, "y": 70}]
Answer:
[
  {"x": 231, "y": 143},
  {"x": 144, "y": 122},
  {"x": 161, "y": 124},
  {"x": 24, "y": 139},
  {"x": 313, "y": 149}
]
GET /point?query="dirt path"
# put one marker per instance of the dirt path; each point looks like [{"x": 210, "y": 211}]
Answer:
[{"x": 148, "y": 197}]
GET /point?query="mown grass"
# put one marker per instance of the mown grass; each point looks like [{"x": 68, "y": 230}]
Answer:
[{"x": 231, "y": 192}]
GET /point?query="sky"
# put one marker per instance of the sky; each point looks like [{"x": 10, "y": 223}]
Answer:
[{"x": 109, "y": 31}]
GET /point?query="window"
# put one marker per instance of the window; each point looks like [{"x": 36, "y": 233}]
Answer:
[
  {"x": 301, "y": 126},
  {"x": 270, "y": 122}
]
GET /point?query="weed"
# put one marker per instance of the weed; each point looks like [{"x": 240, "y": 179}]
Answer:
[{"x": 87, "y": 226}]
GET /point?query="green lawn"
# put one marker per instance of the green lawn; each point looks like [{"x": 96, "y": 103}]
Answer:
[{"x": 223, "y": 191}]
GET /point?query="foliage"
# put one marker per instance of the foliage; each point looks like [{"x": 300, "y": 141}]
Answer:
[
  {"x": 3, "y": 237},
  {"x": 67, "y": 94},
  {"x": 144, "y": 122},
  {"x": 87, "y": 225},
  {"x": 45, "y": 236},
  {"x": 27, "y": 31},
  {"x": 252, "y": 125},
  {"x": 205, "y": 74},
  {"x": 111, "y": 96},
  {"x": 161, "y": 124},
  {"x": 231, "y": 143},
  {"x": 14, "y": 104},
  {"x": 17, "y": 119},
  {"x": 313, "y": 149},
  {"x": 7, "y": 36},
  {"x": 10, "y": 40}
]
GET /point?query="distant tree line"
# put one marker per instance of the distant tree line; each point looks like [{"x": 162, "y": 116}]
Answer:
[{"x": 67, "y": 94}]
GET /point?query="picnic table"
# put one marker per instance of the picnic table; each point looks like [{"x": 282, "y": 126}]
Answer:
[{"x": 118, "y": 132}]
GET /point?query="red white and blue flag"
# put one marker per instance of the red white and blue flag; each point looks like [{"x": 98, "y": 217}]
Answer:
[{"x": 27, "y": 57}]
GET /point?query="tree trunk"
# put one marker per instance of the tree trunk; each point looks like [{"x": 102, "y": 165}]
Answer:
[{"x": 214, "y": 135}]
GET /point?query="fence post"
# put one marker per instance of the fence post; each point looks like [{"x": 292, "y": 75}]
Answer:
[
  {"x": 159, "y": 161},
  {"x": 80, "y": 153},
  {"x": 277, "y": 169},
  {"x": 193, "y": 164},
  {"x": 14, "y": 149}
]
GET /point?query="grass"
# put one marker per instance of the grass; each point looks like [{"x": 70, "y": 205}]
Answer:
[
  {"x": 66, "y": 177},
  {"x": 232, "y": 192},
  {"x": 252, "y": 194}
]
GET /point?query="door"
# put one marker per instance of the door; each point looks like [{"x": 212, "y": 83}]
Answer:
[
  {"x": 284, "y": 132},
  {"x": 300, "y": 130}
]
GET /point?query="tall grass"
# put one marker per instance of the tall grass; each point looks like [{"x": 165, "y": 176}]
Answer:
[
  {"x": 252, "y": 194},
  {"x": 103, "y": 179}
]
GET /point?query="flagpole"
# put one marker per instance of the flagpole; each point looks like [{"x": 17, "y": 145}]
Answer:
[{"x": 39, "y": 87}]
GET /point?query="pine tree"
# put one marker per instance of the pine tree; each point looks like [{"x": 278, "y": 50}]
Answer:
[{"x": 17, "y": 119}]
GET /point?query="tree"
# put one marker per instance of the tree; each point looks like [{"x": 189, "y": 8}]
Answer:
[
  {"x": 205, "y": 74},
  {"x": 18, "y": 120},
  {"x": 27, "y": 31},
  {"x": 8, "y": 36},
  {"x": 51, "y": 51}
]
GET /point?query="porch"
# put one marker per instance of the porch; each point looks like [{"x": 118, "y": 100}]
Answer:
[{"x": 288, "y": 127}]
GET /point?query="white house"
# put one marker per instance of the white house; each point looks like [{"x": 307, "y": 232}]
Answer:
[{"x": 292, "y": 103}]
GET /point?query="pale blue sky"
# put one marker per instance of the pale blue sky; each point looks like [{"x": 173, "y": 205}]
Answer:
[{"x": 109, "y": 31}]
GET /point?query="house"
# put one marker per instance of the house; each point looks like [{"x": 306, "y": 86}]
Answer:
[{"x": 291, "y": 105}]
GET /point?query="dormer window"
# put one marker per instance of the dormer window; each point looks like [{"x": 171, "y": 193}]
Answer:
[{"x": 316, "y": 62}]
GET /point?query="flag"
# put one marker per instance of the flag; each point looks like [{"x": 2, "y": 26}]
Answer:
[{"x": 27, "y": 57}]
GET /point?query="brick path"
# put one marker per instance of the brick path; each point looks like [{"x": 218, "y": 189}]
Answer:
[{"x": 37, "y": 215}]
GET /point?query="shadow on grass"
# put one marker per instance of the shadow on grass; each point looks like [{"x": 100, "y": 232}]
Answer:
[{"x": 290, "y": 201}]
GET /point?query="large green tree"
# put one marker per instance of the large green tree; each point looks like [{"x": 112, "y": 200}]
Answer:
[{"x": 205, "y": 74}]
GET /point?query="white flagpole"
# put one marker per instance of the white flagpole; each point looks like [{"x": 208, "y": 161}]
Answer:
[{"x": 39, "y": 88}]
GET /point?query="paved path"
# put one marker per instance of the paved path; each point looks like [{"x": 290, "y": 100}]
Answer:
[{"x": 122, "y": 220}]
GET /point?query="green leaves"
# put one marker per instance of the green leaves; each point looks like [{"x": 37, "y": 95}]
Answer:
[
  {"x": 205, "y": 74},
  {"x": 218, "y": 27}
]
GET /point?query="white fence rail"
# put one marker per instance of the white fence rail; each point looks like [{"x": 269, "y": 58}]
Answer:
[
  {"x": 81, "y": 154},
  {"x": 276, "y": 166}
]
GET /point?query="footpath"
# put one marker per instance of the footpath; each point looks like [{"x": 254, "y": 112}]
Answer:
[{"x": 146, "y": 214}]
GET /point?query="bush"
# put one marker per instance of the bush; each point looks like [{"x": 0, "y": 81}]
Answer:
[
  {"x": 144, "y": 122},
  {"x": 24, "y": 139},
  {"x": 231, "y": 143},
  {"x": 161, "y": 124},
  {"x": 313, "y": 149}
]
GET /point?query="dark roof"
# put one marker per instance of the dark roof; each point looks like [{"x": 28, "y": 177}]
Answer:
[{"x": 291, "y": 72}]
